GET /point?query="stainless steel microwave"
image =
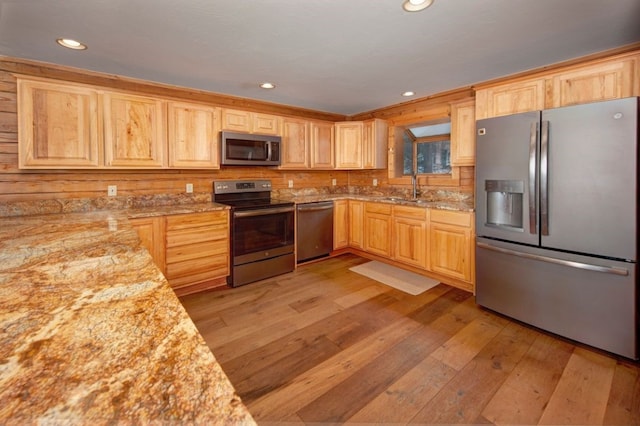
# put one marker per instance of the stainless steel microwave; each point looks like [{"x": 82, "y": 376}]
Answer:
[{"x": 244, "y": 149}]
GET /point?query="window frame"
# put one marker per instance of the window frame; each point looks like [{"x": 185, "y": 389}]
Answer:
[{"x": 395, "y": 171}]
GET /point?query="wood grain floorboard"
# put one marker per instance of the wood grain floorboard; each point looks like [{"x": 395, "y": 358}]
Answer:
[{"x": 324, "y": 345}]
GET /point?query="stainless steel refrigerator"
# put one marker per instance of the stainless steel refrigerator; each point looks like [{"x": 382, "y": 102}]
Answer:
[{"x": 557, "y": 221}]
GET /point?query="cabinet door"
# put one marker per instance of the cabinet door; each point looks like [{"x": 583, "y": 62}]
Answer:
[
  {"x": 451, "y": 244},
  {"x": 377, "y": 229},
  {"x": 58, "y": 126},
  {"x": 236, "y": 120},
  {"x": 356, "y": 224},
  {"x": 349, "y": 145},
  {"x": 598, "y": 82},
  {"x": 193, "y": 136},
  {"x": 152, "y": 234},
  {"x": 340, "y": 224},
  {"x": 197, "y": 248},
  {"x": 512, "y": 98},
  {"x": 134, "y": 131},
  {"x": 375, "y": 137},
  {"x": 322, "y": 146},
  {"x": 265, "y": 124},
  {"x": 410, "y": 235},
  {"x": 463, "y": 134},
  {"x": 295, "y": 144}
]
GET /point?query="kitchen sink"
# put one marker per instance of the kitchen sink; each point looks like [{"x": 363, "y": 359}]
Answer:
[{"x": 406, "y": 200}]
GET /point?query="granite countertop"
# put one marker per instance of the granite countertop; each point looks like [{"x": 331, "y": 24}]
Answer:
[
  {"x": 453, "y": 205},
  {"x": 91, "y": 332}
]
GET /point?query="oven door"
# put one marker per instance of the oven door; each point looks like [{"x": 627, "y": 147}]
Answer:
[{"x": 260, "y": 234}]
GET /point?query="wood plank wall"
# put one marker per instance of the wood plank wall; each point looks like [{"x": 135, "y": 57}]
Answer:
[{"x": 27, "y": 185}]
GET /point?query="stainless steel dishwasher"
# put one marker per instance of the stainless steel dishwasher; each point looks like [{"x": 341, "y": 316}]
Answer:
[{"x": 314, "y": 230}]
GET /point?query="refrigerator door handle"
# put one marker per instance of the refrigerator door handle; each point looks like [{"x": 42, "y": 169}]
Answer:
[
  {"x": 544, "y": 179},
  {"x": 569, "y": 263},
  {"x": 533, "y": 137}
]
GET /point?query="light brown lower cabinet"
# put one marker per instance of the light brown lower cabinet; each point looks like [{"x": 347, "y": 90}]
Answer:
[
  {"x": 151, "y": 233},
  {"x": 451, "y": 246},
  {"x": 436, "y": 241},
  {"x": 340, "y": 224},
  {"x": 356, "y": 224},
  {"x": 409, "y": 236},
  {"x": 192, "y": 249},
  {"x": 377, "y": 228}
]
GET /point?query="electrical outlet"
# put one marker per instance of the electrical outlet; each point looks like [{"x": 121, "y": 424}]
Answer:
[
  {"x": 375, "y": 182},
  {"x": 189, "y": 188},
  {"x": 334, "y": 182},
  {"x": 112, "y": 190},
  {"x": 290, "y": 183}
]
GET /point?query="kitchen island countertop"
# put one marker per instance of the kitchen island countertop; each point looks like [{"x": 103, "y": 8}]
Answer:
[{"x": 91, "y": 332}]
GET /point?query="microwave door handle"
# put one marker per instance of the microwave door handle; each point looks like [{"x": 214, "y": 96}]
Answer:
[{"x": 268, "y": 151}]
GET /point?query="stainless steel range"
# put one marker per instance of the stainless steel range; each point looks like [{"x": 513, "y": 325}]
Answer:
[{"x": 262, "y": 230}]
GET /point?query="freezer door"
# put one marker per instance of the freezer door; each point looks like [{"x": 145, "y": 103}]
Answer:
[
  {"x": 590, "y": 300},
  {"x": 591, "y": 179},
  {"x": 507, "y": 150}
]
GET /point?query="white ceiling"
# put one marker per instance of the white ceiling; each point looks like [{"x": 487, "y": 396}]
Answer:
[{"x": 340, "y": 56}]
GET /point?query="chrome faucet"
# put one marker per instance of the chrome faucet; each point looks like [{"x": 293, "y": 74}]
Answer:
[{"x": 414, "y": 186}]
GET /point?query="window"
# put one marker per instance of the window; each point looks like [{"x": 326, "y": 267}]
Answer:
[{"x": 427, "y": 149}]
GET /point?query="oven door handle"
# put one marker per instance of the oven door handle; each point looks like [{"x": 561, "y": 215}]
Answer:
[{"x": 263, "y": 212}]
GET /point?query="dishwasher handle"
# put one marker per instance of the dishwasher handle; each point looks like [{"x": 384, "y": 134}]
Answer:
[{"x": 313, "y": 207}]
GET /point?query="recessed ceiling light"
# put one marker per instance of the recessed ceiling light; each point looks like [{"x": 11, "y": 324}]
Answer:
[
  {"x": 408, "y": 93},
  {"x": 267, "y": 85},
  {"x": 416, "y": 5},
  {"x": 71, "y": 44}
]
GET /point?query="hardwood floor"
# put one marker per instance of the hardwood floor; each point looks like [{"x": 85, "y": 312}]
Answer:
[{"x": 326, "y": 345}]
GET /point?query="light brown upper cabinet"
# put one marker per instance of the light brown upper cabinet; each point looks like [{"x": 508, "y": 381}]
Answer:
[
  {"x": 598, "y": 80},
  {"x": 58, "y": 125},
  {"x": 463, "y": 133},
  {"x": 193, "y": 135},
  {"x": 376, "y": 135},
  {"x": 361, "y": 144},
  {"x": 250, "y": 122},
  {"x": 510, "y": 98},
  {"x": 322, "y": 145},
  {"x": 349, "y": 144},
  {"x": 134, "y": 131},
  {"x": 295, "y": 144}
]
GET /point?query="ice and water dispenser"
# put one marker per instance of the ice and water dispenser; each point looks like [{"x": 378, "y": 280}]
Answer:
[{"x": 505, "y": 203}]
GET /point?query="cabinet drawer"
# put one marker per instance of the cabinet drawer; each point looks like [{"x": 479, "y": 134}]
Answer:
[
  {"x": 194, "y": 235},
  {"x": 211, "y": 266},
  {"x": 197, "y": 250},
  {"x": 451, "y": 217},
  {"x": 378, "y": 208},
  {"x": 191, "y": 220},
  {"x": 219, "y": 268},
  {"x": 418, "y": 213}
]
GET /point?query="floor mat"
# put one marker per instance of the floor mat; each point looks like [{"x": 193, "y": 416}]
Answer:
[{"x": 395, "y": 277}]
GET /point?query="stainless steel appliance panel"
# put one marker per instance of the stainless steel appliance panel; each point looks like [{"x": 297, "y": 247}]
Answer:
[
  {"x": 587, "y": 299},
  {"x": 314, "y": 230},
  {"x": 591, "y": 201},
  {"x": 255, "y": 271},
  {"x": 505, "y": 147}
]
